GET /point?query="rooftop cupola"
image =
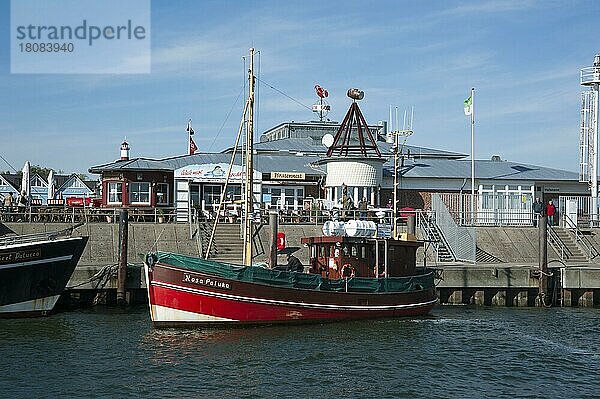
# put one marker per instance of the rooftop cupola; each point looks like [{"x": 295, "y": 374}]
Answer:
[{"x": 124, "y": 151}]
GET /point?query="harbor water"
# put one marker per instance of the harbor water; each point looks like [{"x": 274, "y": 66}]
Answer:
[{"x": 455, "y": 352}]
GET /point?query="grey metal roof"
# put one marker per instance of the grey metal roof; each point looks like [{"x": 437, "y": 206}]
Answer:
[
  {"x": 132, "y": 164},
  {"x": 484, "y": 169},
  {"x": 311, "y": 146},
  {"x": 443, "y": 168},
  {"x": 263, "y": 163}
]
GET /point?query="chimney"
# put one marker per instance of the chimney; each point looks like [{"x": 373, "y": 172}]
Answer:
[{"x": 124, "y": 151}]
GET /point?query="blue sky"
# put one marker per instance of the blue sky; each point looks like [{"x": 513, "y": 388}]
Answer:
[{"x": 523, "y": 58}]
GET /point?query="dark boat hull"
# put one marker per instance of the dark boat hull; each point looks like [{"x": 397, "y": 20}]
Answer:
[
  {"x": 33, "y": 275},
  {"x": 180, "y": 297}
]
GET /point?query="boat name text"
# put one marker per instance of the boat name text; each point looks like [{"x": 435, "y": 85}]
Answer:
[
  {"x": 208, "y": 282},
  {"x": 20, "y": 256}
]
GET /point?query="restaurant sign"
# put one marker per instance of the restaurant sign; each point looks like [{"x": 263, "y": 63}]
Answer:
[{"x": 287, "y": 176}]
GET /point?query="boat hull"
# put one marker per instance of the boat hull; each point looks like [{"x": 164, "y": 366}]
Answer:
[
  {"x": 33, "y": 275},
  {"x": 180, "y": 297}
]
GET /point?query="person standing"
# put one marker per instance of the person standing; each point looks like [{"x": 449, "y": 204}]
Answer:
[
  {"x": 23, "y": 200},
  {"x": 538, "y": 208},
  {"x": 8, "y": 201},
  {"x": 362, "y": 206},
  {"x": 550, "y": 211}
]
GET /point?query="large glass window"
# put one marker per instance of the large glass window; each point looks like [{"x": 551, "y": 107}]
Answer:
[
  {"x": 115, "y": 192},
  {"x": 211, "y": 195},
  {"x": 275, "y": 196},
  {"x": 139, "y": 193},
  {"x": 234, "y": 192},
  {"x": 162, "y": 194},
  {"x": 289, "y": 198}
]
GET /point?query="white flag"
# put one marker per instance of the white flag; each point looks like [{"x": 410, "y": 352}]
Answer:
[{"x": 469, "y": 106}]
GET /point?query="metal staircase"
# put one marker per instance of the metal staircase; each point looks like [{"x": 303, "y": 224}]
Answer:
[
  {"x": 227, "y": 245},
  {"x": 432, "y": 233}
]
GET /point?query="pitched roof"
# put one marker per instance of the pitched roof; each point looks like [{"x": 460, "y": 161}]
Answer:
[
  {"x": 484, "y": 169},
  {"x": 12, "y": 179}
]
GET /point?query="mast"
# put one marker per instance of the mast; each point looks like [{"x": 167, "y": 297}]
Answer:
[{"x": 249, "y": 183}]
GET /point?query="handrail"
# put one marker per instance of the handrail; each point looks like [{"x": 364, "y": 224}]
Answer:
[
  {"x": 592, "y": 252},
  {"x": 427, "y": 224},
  {"x": 28, "y": 238},
  {"x": 555, "y": 241}
]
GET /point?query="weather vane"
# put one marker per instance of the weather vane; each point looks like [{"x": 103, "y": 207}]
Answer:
[{"x": 321, "y": 107}]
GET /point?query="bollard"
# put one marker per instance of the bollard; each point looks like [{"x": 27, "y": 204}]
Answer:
[
  {"x": 543, "y": 259},
  {"x": 122, "y": 270},
  {"x": 273, "y": 224}
]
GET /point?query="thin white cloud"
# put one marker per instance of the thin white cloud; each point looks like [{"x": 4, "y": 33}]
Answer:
[{"x": 487, "y": 7}]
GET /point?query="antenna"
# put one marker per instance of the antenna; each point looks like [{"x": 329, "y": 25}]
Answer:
[{"x": 588, "y": 135}]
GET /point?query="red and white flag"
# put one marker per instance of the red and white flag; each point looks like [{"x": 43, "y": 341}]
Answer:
[{"x": 193, "y": 147}]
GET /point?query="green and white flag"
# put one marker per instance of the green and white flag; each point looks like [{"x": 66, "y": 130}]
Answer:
[{"x": 469, "y": 106}]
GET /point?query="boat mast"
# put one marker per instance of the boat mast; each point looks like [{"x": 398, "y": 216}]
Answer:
[{"x": 249, "y": 183}]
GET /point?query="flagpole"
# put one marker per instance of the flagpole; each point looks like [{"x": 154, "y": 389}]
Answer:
[
  {"x": 189, "y": 140},
  {"x": 472, "y": 155}
]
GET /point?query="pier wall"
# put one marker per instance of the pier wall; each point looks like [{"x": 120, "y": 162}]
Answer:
[{"x": 508, "y": 283}]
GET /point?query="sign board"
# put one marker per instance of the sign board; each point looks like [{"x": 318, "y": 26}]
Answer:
[
  {"x": 213, "y": 172},
  {"x": 266, "y": 198},
  {"x": 287, "y": 176},
  {"x": 551, "y": 189}
]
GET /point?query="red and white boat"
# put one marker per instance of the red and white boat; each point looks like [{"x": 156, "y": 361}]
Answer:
[
  {"x": 353, "y": 273},
  {"x": 184, "y": 290}
]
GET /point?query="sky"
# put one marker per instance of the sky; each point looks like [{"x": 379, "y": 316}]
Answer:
[{"x": 522, "y": 57}]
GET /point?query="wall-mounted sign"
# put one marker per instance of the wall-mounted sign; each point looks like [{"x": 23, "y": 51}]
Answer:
[
  {"x": 551, "y": 189},
  {"x": 287, "y": 176},
  {"x": 213, "y": 173}
]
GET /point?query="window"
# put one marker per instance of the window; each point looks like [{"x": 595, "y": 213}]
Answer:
[
  {"x": 211, "y": 195},
  {"x": 289, "y": 198},
  {"x": 115, "y": 192},
  {"x": 234, "y": 192},
  {"x": 275, "y": 196},
  {"x": 162, "y": 194},
  {"x": 78, "y": 184},
  {"x": 37, "y": 182},
  {"x": 139, "y": 193}
]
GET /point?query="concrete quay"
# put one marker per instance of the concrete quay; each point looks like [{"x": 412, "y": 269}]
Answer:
[
  {"x": 518, "y": 285},
  {"x": 512, "y": 281}
]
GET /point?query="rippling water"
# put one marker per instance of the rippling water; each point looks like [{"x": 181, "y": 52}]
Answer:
[{"x": 455, "y": 352}]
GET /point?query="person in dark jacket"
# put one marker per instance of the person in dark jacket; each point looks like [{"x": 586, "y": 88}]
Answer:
[
  {"x": 538, "y": 208},
  {"x": 294, "y": 264}
]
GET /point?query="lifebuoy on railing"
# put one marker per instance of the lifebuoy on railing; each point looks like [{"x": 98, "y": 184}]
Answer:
[{"x": 347, "y": 271}]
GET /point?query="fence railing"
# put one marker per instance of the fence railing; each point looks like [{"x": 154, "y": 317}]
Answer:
[
  {"x": 461, "y": 240},
  {"x": 53, "y": 214}
]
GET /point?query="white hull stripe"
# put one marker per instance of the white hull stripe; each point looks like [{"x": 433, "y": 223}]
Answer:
[
  {"x": 34, "y": 305},
  {"x": 31, "y": 243},
  {"x": 37, "y": 262},
  {"x": 165, "y": 314},
  {"x": 288, "y": 303}
]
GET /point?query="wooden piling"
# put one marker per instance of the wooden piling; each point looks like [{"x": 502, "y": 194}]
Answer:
[
  {"x": 273, "y": 224},
  {"x": 122, "y": 270},
  {"x": 543, "y": 260}
]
